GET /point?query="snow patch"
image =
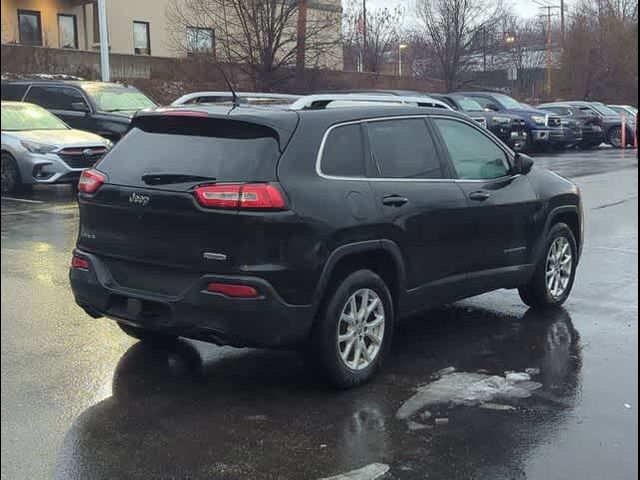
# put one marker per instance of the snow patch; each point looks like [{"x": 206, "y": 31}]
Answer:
[{"x": 469, "y": 389}]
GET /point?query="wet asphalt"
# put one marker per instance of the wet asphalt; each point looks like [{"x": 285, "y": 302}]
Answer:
[{"x": 80, "y": 400}]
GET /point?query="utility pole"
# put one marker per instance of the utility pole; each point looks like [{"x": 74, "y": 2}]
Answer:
[
  {"x": 104, "y": 40},
  {"x": 301, "y": 50},
  {"x": 563, "y": 25},
  {"x": 549, "y": 49},
  {"x": 364, "y": 35}
]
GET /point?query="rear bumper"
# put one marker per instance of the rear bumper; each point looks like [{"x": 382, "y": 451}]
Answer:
[{"x": 265, "y": 321}]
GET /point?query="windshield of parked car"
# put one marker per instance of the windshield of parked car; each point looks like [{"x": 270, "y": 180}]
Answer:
[
  {"x": 119, "y": 99},
  {"x": 20, "y": 118},
  {"x": 469, "y": 104},
  {"x": 508, "y": 102},
  {"x": 604, "y": 110}
]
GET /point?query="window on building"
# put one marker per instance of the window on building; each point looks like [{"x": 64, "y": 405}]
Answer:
[
  {"x": 30, "y": 27},
  {"x": 200, "y": 40},
  {"x": 141, "y": 38},
  {"x": 67, "y": 31}
]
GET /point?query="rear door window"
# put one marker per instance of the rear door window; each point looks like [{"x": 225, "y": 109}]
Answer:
[
  {"x": 343, "y": 154},
  {"x": 54, "y": 98},
  {"x": 404, "y": 149},
  {"x": 170, "y": 150}
]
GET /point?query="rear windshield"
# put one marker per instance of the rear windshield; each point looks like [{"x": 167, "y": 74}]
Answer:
[{"x": 170, "y": 150}]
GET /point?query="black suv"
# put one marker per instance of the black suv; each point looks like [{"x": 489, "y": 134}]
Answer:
[
  {"x": 314, "y": 227},
  {"x": 102, "y": 108}
]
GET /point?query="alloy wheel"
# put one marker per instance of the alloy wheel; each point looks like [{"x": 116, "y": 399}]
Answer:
[
  {"x": 361, "y": 329},
  {"x": 559, "y": 267}
]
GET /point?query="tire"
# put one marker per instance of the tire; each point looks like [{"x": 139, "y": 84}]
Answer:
[
  {"x": 540, "y": 293},
  {"x": 614, "y": 137},
  {"x": 145, "y": 335},
  {"x": 334, "y": 358},
  {"x": 10, "y": 174}
]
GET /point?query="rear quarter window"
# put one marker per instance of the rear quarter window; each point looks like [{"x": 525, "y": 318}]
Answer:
[
  {"x": 227, "y": 150},
  {"x": 13, "y": 92},
  {"x": 343, "y": 154}
]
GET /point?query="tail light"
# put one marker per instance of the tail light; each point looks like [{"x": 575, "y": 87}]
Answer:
[
  {"x": 79, "y": 263},
  {"x": 232, "y": 290},
  {"x": 258, "y": 196},
  {"x": 91, "y": 181}
]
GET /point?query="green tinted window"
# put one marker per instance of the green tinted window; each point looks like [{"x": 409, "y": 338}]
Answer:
[{"x": 474, "y": 155}]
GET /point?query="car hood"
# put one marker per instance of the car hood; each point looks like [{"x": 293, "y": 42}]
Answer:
[
  {"x": 527, "y": 112},
  {"x": 512, "y": 116},
  {"x": 61, "y": 138}
]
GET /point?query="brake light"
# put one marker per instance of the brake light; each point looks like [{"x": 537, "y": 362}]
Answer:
[
  {"x": 232, "y": 290},
  {"x": 90, "y": 181},
  {"x": 259, "y": 196},
  {"x": 79, "y": 263}
]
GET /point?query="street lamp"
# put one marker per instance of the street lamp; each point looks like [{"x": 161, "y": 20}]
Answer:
[{"x": 401, "y": 47}]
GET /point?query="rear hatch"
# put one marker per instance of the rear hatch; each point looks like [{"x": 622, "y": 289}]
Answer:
[{"x": 149, "y": 211}]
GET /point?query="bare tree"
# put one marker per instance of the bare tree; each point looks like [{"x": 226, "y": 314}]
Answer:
[
  {"x": 601, "y": 56},
  {"x": 374, "y": 38},
  {"x": 260, "y": 36},
  {"x": 457, "y": 32}
]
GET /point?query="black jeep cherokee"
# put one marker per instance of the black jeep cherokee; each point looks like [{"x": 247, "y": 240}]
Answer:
[{"x": 319, "y": 228}]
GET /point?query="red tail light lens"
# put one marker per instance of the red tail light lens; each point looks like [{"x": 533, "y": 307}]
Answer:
[
  {"x": 79, "y": 263},
  {"x": 91, "y": 181},
  {"x": 231, "y": 290},
  {"x": 259, "y": 196}
]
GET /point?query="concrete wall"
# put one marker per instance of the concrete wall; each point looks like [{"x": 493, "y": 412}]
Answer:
[
  {"x": 168, "y": 78},
  {"x": 49, "y": 10}
]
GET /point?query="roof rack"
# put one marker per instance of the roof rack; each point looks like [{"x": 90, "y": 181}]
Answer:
[
  {"x": 225, "y": 97},
  {"x": 323, "y": 101}
]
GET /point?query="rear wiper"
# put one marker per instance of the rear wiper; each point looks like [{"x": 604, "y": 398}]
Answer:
[{"x": 167, "y": 178}]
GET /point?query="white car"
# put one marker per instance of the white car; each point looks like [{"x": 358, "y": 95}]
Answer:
[{"x": 38, "y": 147}]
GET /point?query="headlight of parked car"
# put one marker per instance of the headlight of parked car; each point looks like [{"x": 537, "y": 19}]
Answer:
[
  {"x": 501, "y": 120},
  {"x": 539, "y": 119},
  {"x": 40, "y": 148}
]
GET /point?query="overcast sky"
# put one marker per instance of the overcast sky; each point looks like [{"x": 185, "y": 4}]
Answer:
[{"x": 526, "y": 8}]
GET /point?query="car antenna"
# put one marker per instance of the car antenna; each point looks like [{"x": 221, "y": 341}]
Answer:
[{"x": 236, "y": 99}]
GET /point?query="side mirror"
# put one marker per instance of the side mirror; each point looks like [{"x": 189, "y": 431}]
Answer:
[
  {"x": 491, "y": 108},
  {"x": 522, "y": 164},
  {"x": 80, "y": 107}
]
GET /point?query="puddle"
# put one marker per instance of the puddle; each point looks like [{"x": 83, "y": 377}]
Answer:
[{"x": 470, "y": 389}]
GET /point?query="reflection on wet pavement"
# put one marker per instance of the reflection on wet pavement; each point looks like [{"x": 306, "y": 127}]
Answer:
[{"x": 174, "y": 412}]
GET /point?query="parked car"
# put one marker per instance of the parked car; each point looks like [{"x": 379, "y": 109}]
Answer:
[
  {"x": 38, "y": 147},
  {"x": 244, "y": 97},
  {"x": 314, "y": 227},
  {"x": 632, "y": 120},
  {"x": 105, "y": 109},
  {"x": 611, "y": 121},
  {"x": 586, "y": 126},
  {"x": 511, "y": 129},
  {"x": 543, "y": 129}
]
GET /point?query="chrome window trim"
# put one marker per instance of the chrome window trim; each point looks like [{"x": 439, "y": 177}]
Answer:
[{"x": 469, "y": 122}]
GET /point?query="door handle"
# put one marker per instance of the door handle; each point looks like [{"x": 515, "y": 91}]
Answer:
[
  {"x": 394, "y": 200},
  {"x": 480, "y": 196}
]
